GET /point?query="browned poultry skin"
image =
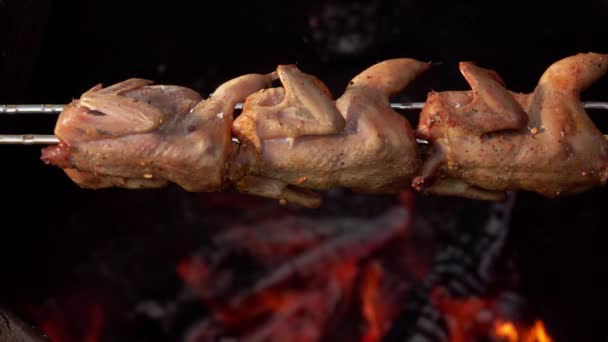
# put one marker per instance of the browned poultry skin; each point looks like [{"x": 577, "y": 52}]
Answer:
[
  {"x": 296, "y": 139},
  {"x": 137, "y": 135},
  {"x": 490, "y": 140}
]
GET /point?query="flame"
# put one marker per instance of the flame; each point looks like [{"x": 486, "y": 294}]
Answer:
[
  {"x": 464, "y": 324},
  {"x": 540, "y": 333},
  {"x": 508, "y": 331}
]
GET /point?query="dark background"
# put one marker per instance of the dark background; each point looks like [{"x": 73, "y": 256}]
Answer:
[{"x": 51, "y": 51}]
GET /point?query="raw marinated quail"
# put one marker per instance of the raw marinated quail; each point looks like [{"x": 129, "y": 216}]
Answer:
[
  {"x": 489, "y": 140},
  {"x": 137, "y": 135},
  {"x": 295, "y": 138}
]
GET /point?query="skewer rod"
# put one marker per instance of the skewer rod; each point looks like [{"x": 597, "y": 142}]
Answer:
[
  {"x": 31, "y": 109},
  {"x": 28, "y": 139},
  {"x": 48, "y": 139},
  {"x": 57, "y": 108}
]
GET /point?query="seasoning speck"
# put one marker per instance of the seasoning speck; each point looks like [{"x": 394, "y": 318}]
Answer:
[
  {"x": 301, "y": 180},
  {"x": 148, "y": 175},
  {"x": 220, "y": 115},
  {"x": 534, "y": 130}
]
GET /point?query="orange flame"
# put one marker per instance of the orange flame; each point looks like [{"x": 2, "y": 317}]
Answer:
[
  {"x": 464, "y": 322},
  {"x": 509, "y": 332},
  {"x": 539, "y": 332}
]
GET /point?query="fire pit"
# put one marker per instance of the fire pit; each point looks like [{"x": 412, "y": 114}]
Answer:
[
  {"x": 166, "y": 265},
  {"x": 362, "y": 268}
]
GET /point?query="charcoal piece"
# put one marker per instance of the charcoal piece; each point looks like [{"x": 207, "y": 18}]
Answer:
[{"x": 463, "y": 265}]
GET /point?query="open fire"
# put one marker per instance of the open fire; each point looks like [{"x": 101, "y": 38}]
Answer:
[
  {"x": 510, "y": 332},
  {"x": 390, "y": 275},
  {"x": 473, "y": 319}
]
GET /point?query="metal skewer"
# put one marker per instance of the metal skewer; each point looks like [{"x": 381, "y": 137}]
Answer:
[
  {"x": 28, "y": 139},
  {"x": 49, "y": 139},
  {"x": 31, "y": 109},
  {"x": 57, "y": 108}
]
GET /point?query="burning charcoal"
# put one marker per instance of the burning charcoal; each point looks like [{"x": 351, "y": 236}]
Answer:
[
  {"x": 466, "y": 263},
  {"x": 291, "y": 315},
  {"x": 478, "y": 319},
  {"x": 74, "y": 318},
  {"x": 377, "y": 308},
  {"x": 421, "y": 321},
  {"x": 310, "y": 272},
  {"x": 463, "y": 268},
  {"x": 334, "y": 240}
]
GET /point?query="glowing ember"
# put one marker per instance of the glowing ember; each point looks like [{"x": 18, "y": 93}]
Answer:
[
  {"x": 507, "y": 331},
  {"x": 463, "y": 316},
  {"x": 73, "y": 319},
  {"x": 469, "y": 319},
  {"x": 377, "y": 309},
  {"x": 372, "y": 306},
  {"x": 301, "y": 279}
]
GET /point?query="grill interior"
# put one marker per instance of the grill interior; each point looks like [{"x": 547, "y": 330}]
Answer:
[{"x": 122, "y": 247}]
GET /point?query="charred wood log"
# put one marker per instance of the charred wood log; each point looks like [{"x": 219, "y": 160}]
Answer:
[{"x": 463, "y": 267}]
